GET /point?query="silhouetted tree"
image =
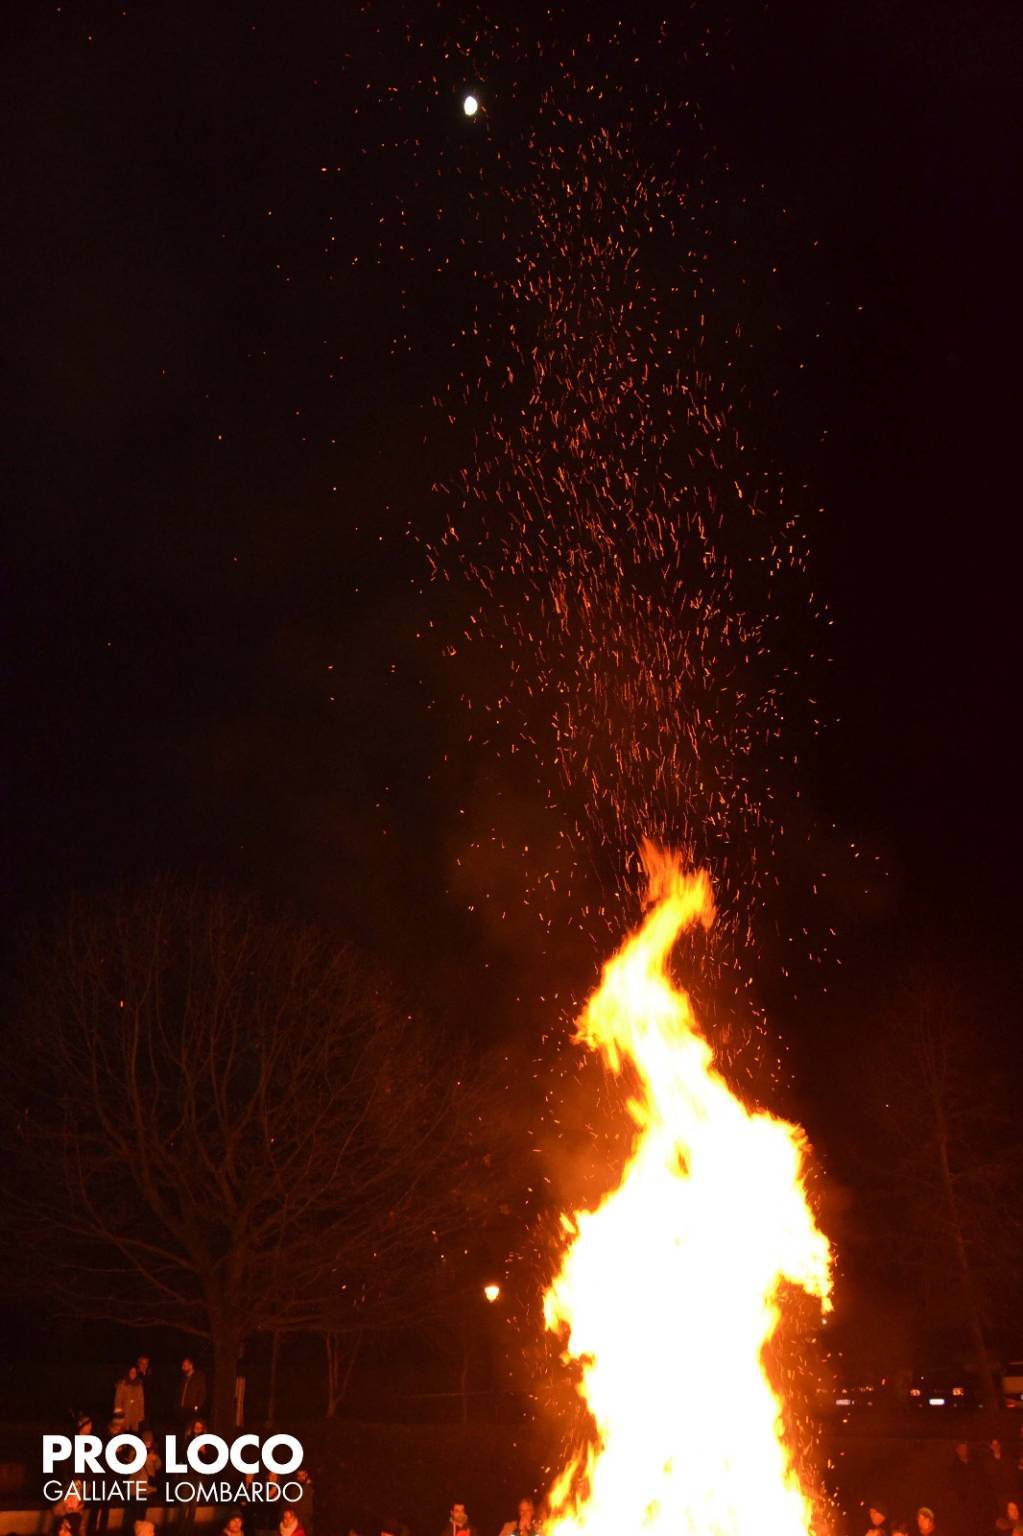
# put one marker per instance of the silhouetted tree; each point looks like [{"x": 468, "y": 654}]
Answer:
[
  {"x": 948, "y": 1191},
  {"x": 222, "y": 1122},
  {"x": 443, "y": 1303}
]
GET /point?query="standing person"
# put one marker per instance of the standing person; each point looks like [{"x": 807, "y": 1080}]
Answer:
[
  {"x": 878, "y": 1519},
  {"x": 130, "y": 1401},
  {"x": 264, "y": 1514},
  {"x": 966, "y": 1493},
  {"x": 68, "y": 1514},
  {"x": 525, "y": 1523},
  {"x": 149, "y": 1473},
  {"x": 1001, "y": 1476},
  {"x": 72, "y": 1507},
  {"x": 102, "y": 1510},
  {"x": 289, "y": 1525},
  {"x": 191, "y": 1395},
  {"x": 458, "y": 1522},
  {"x": 186, "y": 1519},
  {"x": 925, "y": 1522},
  {"x": 154, "y": 1408},
  {"x": 303, "y": 1506}
]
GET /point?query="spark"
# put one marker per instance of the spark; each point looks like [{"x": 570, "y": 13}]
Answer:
[{"x": 616, "y": 551}]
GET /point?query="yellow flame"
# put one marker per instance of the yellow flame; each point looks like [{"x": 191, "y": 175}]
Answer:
[{"x": 669, "y": 1290}]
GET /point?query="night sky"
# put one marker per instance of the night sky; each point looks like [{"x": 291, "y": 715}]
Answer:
[{"x": 221, "y": 358}]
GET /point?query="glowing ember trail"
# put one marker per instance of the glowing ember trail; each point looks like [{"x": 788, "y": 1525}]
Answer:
[{"x": 669, "y": 1290}]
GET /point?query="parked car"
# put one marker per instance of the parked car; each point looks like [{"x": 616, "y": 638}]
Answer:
[
  {"x": 1012, "y": 1384},
  {"x": 945, "y": 1389},
  {"x": 853, "y": 1393}
]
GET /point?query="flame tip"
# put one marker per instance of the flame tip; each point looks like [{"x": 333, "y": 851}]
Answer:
[{"x": 683, "y": 1264}]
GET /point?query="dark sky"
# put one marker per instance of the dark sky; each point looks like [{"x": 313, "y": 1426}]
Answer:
[{"x": 218, "y": 445}]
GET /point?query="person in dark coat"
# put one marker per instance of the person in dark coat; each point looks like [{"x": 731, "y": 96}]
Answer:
[
  {"x": 265, "y": 1515},
  {"x": 967, "y": 1497},
  {"x": 458, "y": 1522},
  {"x": 101, "y": 1512},
  {"x": 878, "y": 1518},
  {"x": 149, "y": 1474},
  {"x": 1002, "y": 1477},
  {"x": 191, "y": 1395},
  {"x": 187, "y": 1512},
  {"x": 150, "y": 1390},
  {"x": 130, "y": 1400},
  {"x": 303, "y": 1506}
]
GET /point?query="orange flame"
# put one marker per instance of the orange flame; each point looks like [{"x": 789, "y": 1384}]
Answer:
[{"x": 669, "y": 1290}]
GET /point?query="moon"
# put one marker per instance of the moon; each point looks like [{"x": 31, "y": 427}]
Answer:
[{"x": 470, "y": 106}]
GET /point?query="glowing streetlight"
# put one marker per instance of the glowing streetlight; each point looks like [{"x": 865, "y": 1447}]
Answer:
[
  {"x": 491, "y": 1291},
  {"x": 470, "y": 106}
]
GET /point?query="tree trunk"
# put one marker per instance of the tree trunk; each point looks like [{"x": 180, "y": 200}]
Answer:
[
  {"x": 339, "y": 1371},
  {"x": 975, "y": 1326},
  {"x": 463, "y": 1380},
  {"x": 226, "y": 1348},
  {"x": 271, "y": 1397},
  {"x": 332, "y": 1350}
]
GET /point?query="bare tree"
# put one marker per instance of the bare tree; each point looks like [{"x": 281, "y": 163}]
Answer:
[
  {"x": 948, "y": 1192},
  {"x": 341, "y": 1358},
  {"x": 222, "y": 1123},
  {"x": 443, "y": 1302}
]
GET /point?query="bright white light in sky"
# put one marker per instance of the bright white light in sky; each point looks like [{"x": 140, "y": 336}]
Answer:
[{"x": 470, "y": 106}]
